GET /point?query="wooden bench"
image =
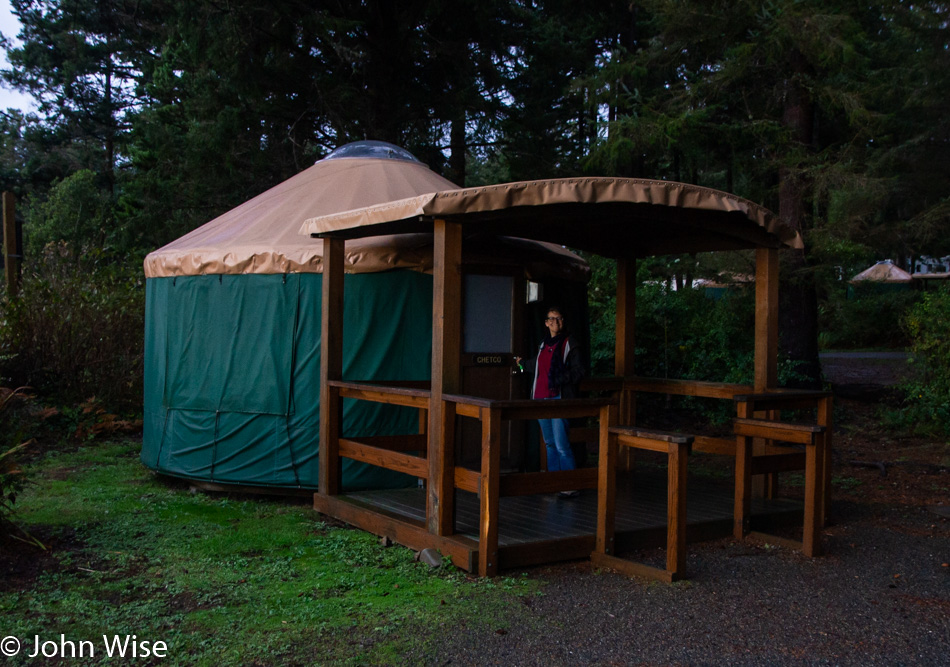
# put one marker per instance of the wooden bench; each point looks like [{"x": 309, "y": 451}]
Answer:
[
  {"x": 812, "y": 461},
  {"x": 677, "y": 447}
]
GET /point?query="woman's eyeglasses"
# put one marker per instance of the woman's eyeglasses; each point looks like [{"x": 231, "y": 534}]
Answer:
[{"x": 554, "y": 319}]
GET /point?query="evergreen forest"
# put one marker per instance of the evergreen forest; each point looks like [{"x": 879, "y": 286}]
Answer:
[{"x": 152, "y": 118}]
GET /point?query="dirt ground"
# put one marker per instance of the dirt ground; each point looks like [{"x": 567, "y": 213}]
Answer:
[
  {"x": 851, "y": 371},
  {"x": 886, "y": 467}
]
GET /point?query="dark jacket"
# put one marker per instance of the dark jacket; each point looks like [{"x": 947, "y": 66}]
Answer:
[{"x": 572, "y": 372}]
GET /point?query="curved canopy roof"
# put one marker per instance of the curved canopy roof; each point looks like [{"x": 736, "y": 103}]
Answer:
[
  {"x": 262, "y": 234},
  {"x": 612, "y": 217}
]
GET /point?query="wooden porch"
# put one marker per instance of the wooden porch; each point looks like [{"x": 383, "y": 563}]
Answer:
[
  {"x": 487, "y": 521},
  {"x": 546, "y": 528},
  {"x": 492, "y": 521}
]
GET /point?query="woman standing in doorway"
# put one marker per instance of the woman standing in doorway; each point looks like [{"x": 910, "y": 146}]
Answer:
[{"x": 557, "y": 372}]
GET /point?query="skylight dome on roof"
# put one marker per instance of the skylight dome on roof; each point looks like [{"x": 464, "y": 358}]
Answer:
[{"x": 379, "y": 150}]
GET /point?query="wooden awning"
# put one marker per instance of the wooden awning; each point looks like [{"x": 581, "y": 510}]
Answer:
[{"x": 613, "y": 217}]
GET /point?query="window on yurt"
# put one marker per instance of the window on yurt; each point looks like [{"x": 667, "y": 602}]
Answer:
[{"x": 486, "y": 313}]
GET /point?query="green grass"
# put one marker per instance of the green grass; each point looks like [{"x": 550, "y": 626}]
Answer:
[
  {"x": 845, "y": 482},
  {"x": 224, "y": 581}
]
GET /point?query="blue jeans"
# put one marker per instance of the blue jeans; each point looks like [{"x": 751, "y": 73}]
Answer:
[{"x": 560, "y": 454}]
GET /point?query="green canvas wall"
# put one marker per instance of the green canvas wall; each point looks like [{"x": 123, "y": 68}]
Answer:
[{"x": 232, "y": 372}]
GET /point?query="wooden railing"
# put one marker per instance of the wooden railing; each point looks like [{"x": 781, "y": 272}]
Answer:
[
  {"x": 757, "y": 431},
  {"x": 757, "y": 418},
  {"x": 488, "y": 481},
  {"x": 396, "y": 452},
  {"x": 408, "y": 453},
  {"x": 518, "y": 484},
  {"x": 388, "y": 452},
  {"x": 676, "y": 447},
  {"x": 701, "y": 389}
]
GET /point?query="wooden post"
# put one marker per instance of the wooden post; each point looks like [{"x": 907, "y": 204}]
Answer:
[
  {"x": 11, "y": 259},
  {"x": 743, "y": 495},
  {"x": 766, "y": 319},
  {"x": 606, "y": 482},
  {"x": 331, "y": 365},
  {"x": 825, "y": 418},
  {"x": 488, "y": 493},
  {"x": 766, "y": 347},
  {"x": 677, "y": 448},
  {"x": 676, "y": 508},
  {"x": 814, "y": 488},
  {"x": 624, "y": 346},
  {"x": 446, "y": 344}
]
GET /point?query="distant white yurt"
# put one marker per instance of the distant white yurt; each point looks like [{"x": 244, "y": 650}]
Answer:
[
  {"x": 884, "y": 271},
  {"x": 883, "y": 277}
]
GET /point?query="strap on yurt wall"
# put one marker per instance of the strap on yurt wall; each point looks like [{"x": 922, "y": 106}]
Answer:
[{"x": 290, "y": 389}]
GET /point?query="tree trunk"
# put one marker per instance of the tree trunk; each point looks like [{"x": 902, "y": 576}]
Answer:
[
  {"x": 111, "y": 131},
  {"x": 457, "y": 146},
  {"x": 632, "y": 165},
  {"x": 798, "y": 298}
]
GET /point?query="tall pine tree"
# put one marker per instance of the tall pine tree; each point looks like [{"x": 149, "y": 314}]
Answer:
[{"x": 782, "y": 102}]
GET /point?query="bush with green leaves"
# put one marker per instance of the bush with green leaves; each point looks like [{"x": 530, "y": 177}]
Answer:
[
  {"x": 13, "y": 477},
  {"x": 75, "y": 329},
  {"x": 686, "y": 334},
  {"x": 602, "y": 305},
  {"x": 12, "y": 480},
  {"x": 76, "y": 212},
  {"x": 680, "y": 334},
  {"x": 927, "y": 404},
  {"x": 866, "y": 316}
]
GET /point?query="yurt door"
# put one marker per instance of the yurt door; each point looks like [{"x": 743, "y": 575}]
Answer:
[{"x": 491, "y": 323}]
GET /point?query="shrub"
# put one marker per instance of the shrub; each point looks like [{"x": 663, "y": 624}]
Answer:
[
  {"x": 927, "y": 404},
  {"x": 12, "y": 476},
  {"x": 602, "y": 302},
  {"x": 76, "y": 329},
  {"x": 12, "y": 481},
  {"x": 679, "y": 333},
  {"x": 683, "y": 334},
  {"x": 866, "y": 316},
  {"x": 76, "y": 212}
]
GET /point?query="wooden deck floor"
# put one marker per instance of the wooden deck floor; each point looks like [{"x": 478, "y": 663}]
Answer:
[{"x": 641, "y": 508}]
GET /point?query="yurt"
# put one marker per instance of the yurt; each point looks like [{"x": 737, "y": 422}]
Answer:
[
  {"x": 232, "y": 341},
  {"x": 882, "y": 277},
  {"x": 884, "y": 271}
]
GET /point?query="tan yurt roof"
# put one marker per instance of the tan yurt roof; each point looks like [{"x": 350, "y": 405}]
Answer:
[
  {"x": 884, "y": 272},
  {"x": 261, "y": 235},
  {"x": 610, "y": 216}
]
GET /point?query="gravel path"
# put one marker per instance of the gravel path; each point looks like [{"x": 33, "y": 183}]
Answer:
[
  {"x": 865, "y": 368},
  {"x": 880, "y": 596}
]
